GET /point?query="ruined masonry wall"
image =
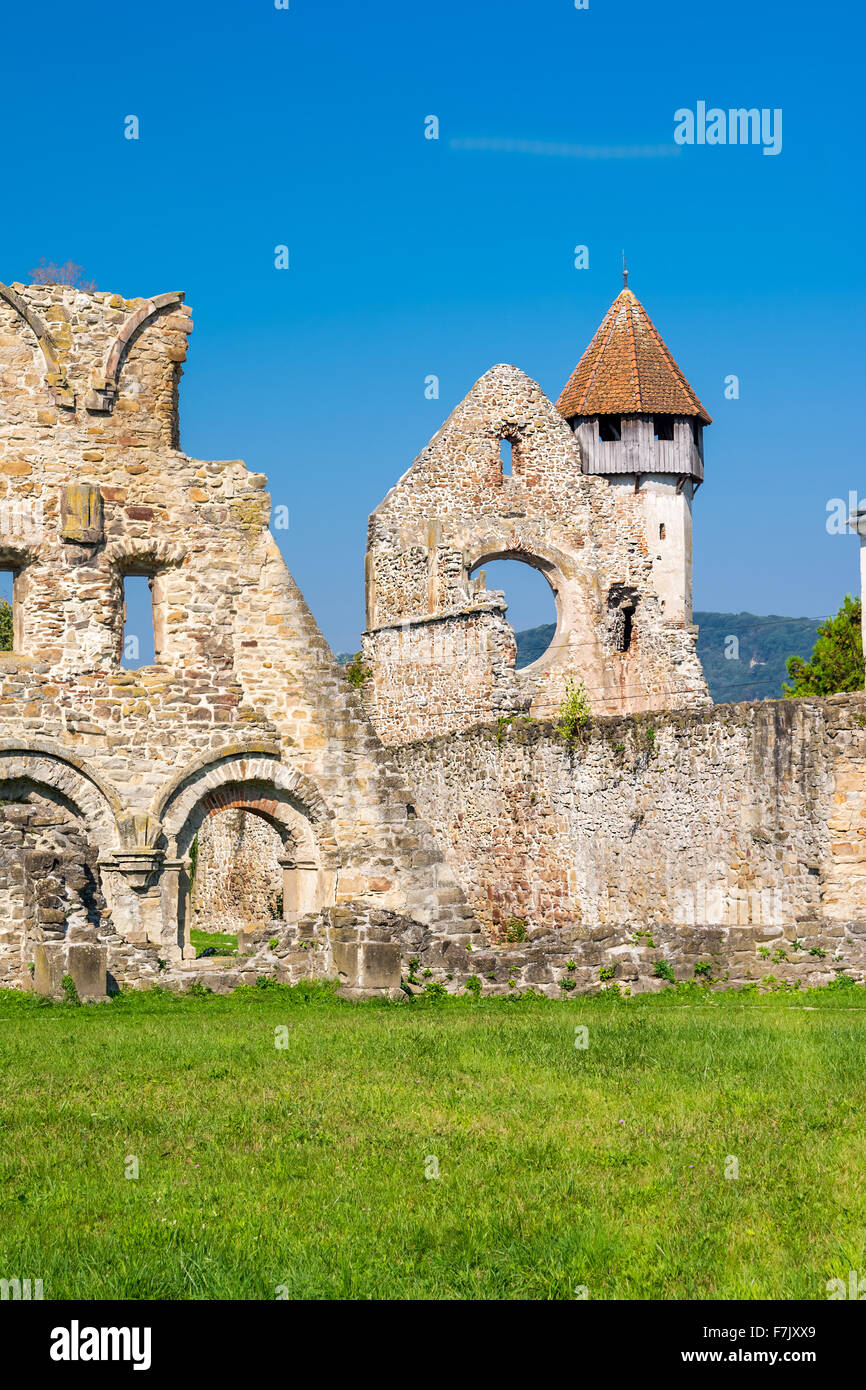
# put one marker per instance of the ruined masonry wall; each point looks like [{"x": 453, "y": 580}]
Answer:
[
  {"x": 455, "y": 509},
  {"x": 741, "y": 816},
  {"x": 244, "y": 695}
]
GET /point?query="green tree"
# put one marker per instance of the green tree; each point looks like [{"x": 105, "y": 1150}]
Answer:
[
  {"x": 5, "y": 626},
  {"x": 836, "y": 663}
]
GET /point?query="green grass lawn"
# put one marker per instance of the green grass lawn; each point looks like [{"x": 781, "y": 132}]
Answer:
[
  {"x": 225, "y": 943},
  {"x": 305, "y": 1166}
]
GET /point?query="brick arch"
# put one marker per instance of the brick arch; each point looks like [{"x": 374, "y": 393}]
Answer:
[
  {"x": 97, "y": 808},
  {"x": 259, "y": 799},
  {"x": 546, "y": 560},
  {"x": 257, "y": 778},
  {"x": 34, "y": 323}
]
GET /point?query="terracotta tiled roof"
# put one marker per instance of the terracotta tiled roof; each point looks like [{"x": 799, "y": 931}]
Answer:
[{"x": 628, "y": 370}]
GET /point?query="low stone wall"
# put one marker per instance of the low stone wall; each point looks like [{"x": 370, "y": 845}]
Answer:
[
  {"x": 557, "y": 964},
  {"x": 738, "y": 816}
]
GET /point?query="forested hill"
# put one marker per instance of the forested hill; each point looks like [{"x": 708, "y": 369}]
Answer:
[{"x": 755, "y": 667}]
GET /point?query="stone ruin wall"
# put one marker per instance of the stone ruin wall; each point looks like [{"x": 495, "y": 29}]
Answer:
[
  {"x": 716, "y": 833},
  {"x": 244, "y": 699},
  {"x": 721, "y": 831},
  {"x": 438, "y": 643}
]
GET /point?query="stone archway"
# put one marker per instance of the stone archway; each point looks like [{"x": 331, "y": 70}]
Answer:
[{"x": 255, "y": 785}]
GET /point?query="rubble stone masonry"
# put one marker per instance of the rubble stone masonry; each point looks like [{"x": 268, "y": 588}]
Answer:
[
  {"x": 477, "y": 843},
  {"x": 244, "y": 704},
  {"x": 724, "y": 835},
  {"x": 438, "y": 643}
]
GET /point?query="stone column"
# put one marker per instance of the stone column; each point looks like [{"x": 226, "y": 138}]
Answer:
[{"x": 175, "y": 908}]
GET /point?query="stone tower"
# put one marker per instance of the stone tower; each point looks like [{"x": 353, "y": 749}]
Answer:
[{"x": 640, "y": 426}]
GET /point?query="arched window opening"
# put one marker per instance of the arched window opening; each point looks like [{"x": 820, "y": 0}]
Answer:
[
  {"x": 531, "y": 605},
  {"x": 506, "y": 456}
]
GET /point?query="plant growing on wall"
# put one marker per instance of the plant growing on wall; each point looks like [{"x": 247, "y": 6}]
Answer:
[
  {"x": 836, "y": 663},
  {"x": 5, "y": 626},
  {"x": 356, "y": 671},
  {"x": 574, "y": 713}
]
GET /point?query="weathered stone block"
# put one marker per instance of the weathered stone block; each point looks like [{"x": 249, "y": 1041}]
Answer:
[{"x": 86, "y": 962}]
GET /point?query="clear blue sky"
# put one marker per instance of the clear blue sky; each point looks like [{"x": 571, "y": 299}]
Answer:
[{"x": 410, "y": 257}]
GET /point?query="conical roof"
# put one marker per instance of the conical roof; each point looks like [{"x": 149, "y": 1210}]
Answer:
[{"x": 628, "y": 370}]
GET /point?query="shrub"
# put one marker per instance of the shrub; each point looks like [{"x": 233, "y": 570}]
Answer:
[
  {"x": 436, "y": 990},
  {"x": 574, "y": 713},
  {"x": 473, "y": 986},
  {"x": 663, "y": 971},
  {"x": 836, "y": 662},
  {"x": 607, "y": 972},
  {"x": 5, "y": 626},
  {"x": 356, "y": 672},
  {"x": 704, "y": 970}
]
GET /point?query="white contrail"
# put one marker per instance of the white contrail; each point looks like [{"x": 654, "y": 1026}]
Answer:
[{"x": 561, "y": 151}]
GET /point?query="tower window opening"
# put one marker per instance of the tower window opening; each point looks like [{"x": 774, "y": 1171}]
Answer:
[
  {"x": 696, "y": 433},
  {"x": 661, "y": 530},
  {"x": 139, "y": 639},
  {"x": 609, "y": 429},
  {"x": 506, "y": 455},
  {"x": 663, "y": 427},
  {"x": 627, "y": 624}
]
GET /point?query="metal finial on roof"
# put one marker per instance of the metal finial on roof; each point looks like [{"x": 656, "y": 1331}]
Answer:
[{"x": 624, "y": 272}]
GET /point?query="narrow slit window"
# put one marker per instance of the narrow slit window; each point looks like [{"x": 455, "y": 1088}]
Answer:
[
  {"x": 661, "y": 530},
  {"x": 506, "y": 455},
  {"x": 7, "y": 610},
  {"x": 138, "y": 625}
]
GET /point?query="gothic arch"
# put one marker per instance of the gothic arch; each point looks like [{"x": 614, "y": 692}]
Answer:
[{"x": 260, "y": 799}]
